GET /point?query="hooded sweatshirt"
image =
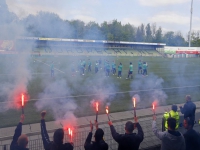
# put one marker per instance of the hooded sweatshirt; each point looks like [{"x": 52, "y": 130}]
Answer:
[
  {"x": 101, "y": 145},
  {"x": 171, "y": 140}
]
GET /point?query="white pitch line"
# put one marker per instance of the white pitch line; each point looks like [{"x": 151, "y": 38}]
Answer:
[
  {"x": 48, "y": 65},
  {"x": 122, "y": 92}
]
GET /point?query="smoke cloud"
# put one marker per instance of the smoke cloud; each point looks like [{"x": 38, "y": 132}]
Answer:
[
  {"x": 149, "y": 88},
  {"x": 16, "y": 78},
  {"x": 62, "y": 108}
]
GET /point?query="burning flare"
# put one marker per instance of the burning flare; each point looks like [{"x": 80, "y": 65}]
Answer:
[
  {"x": 97, "y": 106},
  {"x": 69, "y": 130},
  {"x": 133, "y": 102},
  {"x": 107, "y": 111},
  {"x": 22, "y": 99},
  {"x": 153, "y": 106}
]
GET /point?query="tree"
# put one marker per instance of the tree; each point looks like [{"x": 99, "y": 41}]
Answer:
[
  {"x": 92, "y": 31},
  {"x": 128, "y": 33},
  {"x": 78, "y": 29},
  {"x": 195, "y": 38},
  {"x": 169, "y": 38},
  {"x": 140, "y": 34},
  {"x": 158, "y": 36},
  {"x": 149, "y": 37}
]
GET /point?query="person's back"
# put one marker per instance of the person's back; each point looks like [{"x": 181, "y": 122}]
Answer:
[
  {"x": 170, "y": 139},
  {"x": 129, "y": 140},
  {"x": 192, "y": 138},
  {"x": 173, "y": 114},
  {"x": 20, "y": 141},
  {"x": 189, "y": 109},
  {"x": 57, "y": 143},
  {"x": 65, "y": 146},
  {"x": 99, "y": 143}
]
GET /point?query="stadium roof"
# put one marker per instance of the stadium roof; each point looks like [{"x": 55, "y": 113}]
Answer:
[{"x": 89, "y": 41}]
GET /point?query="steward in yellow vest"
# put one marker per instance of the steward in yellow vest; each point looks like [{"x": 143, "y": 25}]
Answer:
[{"x": 174, "y": 114}]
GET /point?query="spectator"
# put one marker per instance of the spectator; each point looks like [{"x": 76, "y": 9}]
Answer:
[
  {"x": 189, "y": 109},
  {"x": 58, "y": 137},
  {"x": 173, "y": 114},
  {"x": 20, "y": 141},
  {"x": 171, "y": 139},
  {"x": 99, "y": 143},
  {"x": 192, "y": 138},
  {"x": 129, "y": 140}
]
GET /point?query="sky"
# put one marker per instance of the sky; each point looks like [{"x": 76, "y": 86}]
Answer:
[{"x": 171, "y": 15}]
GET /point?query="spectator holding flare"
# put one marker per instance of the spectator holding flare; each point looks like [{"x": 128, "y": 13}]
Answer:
[
  {"x": 192, "y": 138},
  {"x": 139, "y": 67},
  {"x": 120, "y": 70},
  {"x": 189, "y": 109},
  {"x": 130, "y": 72},
  {"x": 171, "y": 139},
  {"x": 99, "y": 143},
  {"x": 173, "y": 114},
  {"x": 129, "y": 140},
  {"x": 20, "y": 141},
  {"x": 57, "y": 143}
]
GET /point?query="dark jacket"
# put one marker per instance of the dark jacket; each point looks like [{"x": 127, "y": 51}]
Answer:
[
  {"x": 101, "y": 145},
  {"x": 189, "y": 110},
  {"x": 192, "y": 140},
  {"x": 48, "y": 145},
  {"x": 128, "y": 141},
  {"x": 18, "y": 132}
]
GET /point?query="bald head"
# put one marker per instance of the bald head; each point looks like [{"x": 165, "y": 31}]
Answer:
[
  {"x": 22, "y": 141},
  {"x": 188, "y": 98}
]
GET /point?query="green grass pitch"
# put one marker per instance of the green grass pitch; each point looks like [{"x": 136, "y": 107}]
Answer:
[{"x": 175, "y": 73}]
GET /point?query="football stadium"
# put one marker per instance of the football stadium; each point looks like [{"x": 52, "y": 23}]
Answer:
[{"x": 70, "y": 78}]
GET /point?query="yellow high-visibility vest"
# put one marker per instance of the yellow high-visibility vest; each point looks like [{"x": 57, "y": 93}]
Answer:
[{"x": 172, "y": 114}]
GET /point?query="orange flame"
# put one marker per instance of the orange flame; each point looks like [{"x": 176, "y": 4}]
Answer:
[
  {"x": 107, "y": 110},
  {"x": 22, "y": 99},
  {"x": 97, "y": 106}
]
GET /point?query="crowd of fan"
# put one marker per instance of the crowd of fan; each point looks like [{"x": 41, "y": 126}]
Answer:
[{"x": 171, "y": 138}]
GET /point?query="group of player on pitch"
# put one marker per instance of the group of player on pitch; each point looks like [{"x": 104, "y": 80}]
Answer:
[{"x": 108, "y": 68}]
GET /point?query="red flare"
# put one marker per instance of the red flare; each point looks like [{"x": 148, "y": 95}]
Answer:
[
  {"x": 153, "y": 106},
  {"x": 97, "y": 106},
  {"x": 69, "y": 130},
  {"x": 107, "y": 111},
  {"x": 22, "y": 99},
  {"x": 134, "y": 102}
]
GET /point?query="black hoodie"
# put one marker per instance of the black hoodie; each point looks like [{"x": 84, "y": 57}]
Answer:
[
  {"x": 128, "y": 141},
  {"x": 101, "y": 145},
  {"x": 49, "y": 145}
]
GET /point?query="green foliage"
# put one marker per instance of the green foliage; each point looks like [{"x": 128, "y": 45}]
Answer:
[{"x": 196, "y": 39}]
